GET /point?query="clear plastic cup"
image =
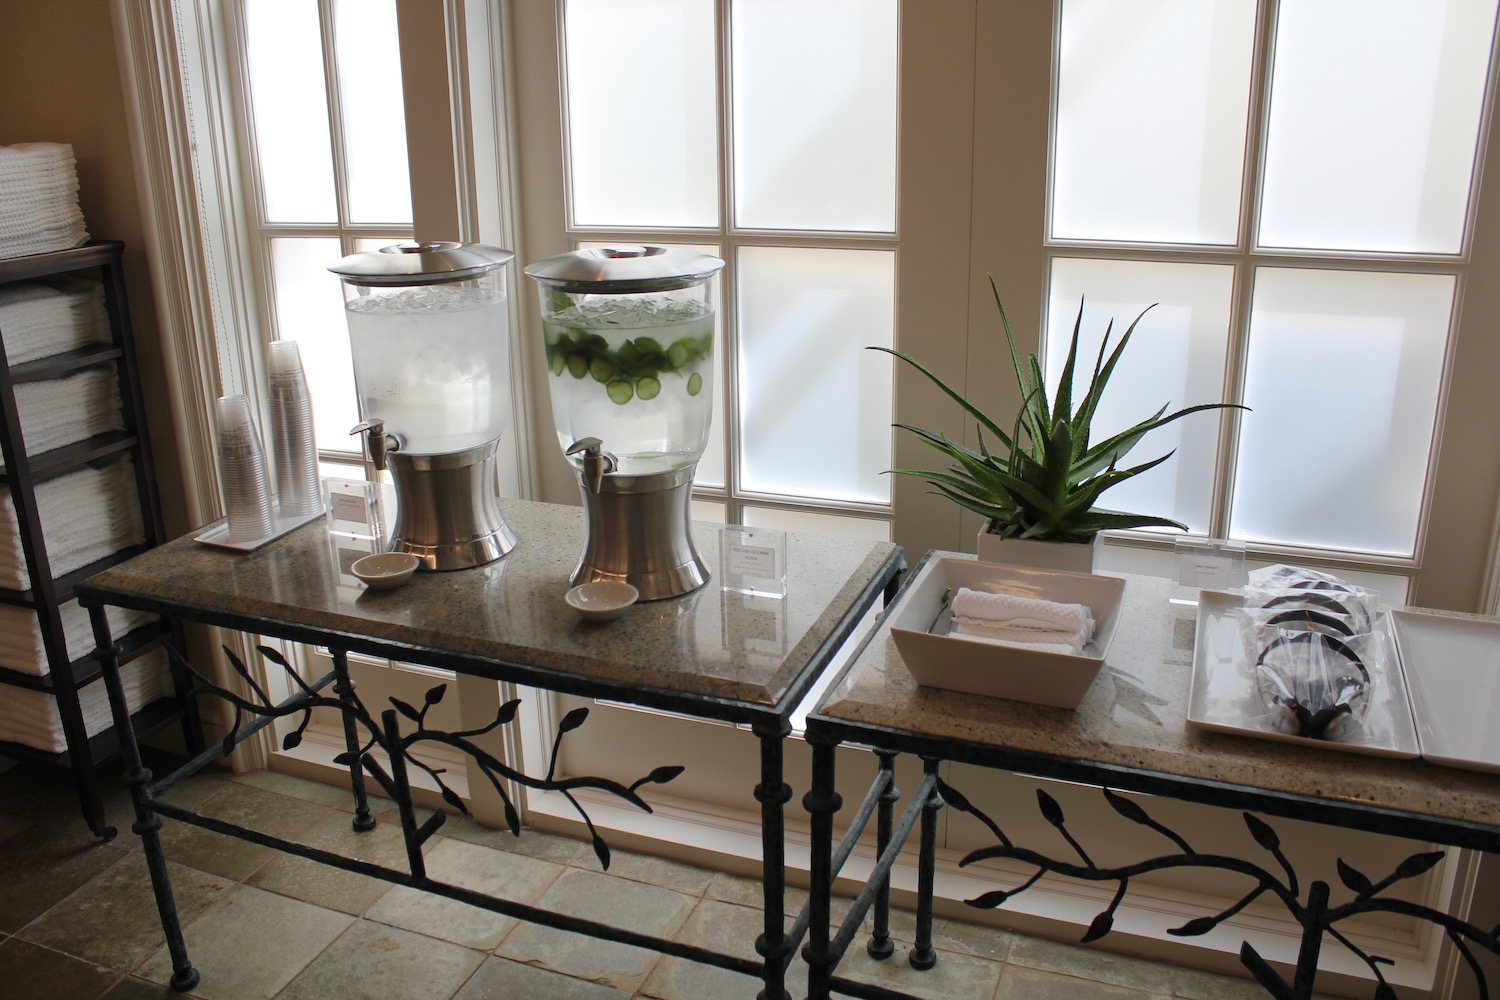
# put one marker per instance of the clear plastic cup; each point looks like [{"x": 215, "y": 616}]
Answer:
[
  {"x": 242, "y": 472},
  {"x": 294, "y": 448}
]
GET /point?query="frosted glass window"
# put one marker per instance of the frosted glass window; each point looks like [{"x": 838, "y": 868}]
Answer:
[
  {"x": 310, "y": 310},
  {"x": 1176, "y": 356},
  {"x": 284, "y": 56},
  {"x": 815, "y": 89},
  {"x": 1375, "y": 108},
  {"x": 1151, "y": 111},
  {"x": 369, "y": 60},
  {"x": 642, "y": 100},
  {"x": 841, "y": 525},
  {"x": 1343, "y": 377},
  {"x": 815, "y": 406},
  {"x": 709, "y": 510}
]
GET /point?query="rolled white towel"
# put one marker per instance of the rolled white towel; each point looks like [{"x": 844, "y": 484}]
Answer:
[
  {"x": 1055, "y": 640},
  {"x": 1023, "y": 612},
  {"x": 1039, "y": 647}
]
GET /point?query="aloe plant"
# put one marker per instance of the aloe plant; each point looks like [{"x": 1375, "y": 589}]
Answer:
[{"x": 1044, "y": 478}]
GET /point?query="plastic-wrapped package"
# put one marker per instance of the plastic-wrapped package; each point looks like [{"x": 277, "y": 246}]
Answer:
[{"x": 1309, "y": 639}]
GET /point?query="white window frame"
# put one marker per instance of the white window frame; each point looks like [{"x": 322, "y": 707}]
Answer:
[{"x": 173, "y": 57}]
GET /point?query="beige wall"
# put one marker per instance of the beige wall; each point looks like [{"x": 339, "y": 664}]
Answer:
[{"x": 60, "y": 82}]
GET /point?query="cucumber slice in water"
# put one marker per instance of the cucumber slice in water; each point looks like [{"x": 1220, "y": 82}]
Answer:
[
  {"x": 578, "y": 365},
  {"x": 695, "y": 384},
  {"x": 602, "y": 369},
  {"x": 647, "y": 387},
  {"x": 619, "y": 390}
]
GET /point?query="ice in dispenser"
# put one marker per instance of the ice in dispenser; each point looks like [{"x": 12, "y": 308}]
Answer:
[{"x": 430, "y": 336}]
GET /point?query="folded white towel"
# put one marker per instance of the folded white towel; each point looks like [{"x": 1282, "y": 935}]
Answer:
[
  {"x": 63, "y": 411},
  {"x": 86, "y": 515},
  {"x": 32, "y": 717},
  {"x": 39, "y": 199},
  {"x": 21, "y": 647}
]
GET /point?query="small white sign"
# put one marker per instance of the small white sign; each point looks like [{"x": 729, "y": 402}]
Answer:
[
  {"x": 1204, "y": 571},
  {"x": 753, "y": 560},
  {"x": 349, "y": 507}
]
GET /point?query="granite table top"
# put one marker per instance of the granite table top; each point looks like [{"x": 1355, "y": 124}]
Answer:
[
  {"x": 1133, "y": 721},
  {"x": 729, "y": 655}
]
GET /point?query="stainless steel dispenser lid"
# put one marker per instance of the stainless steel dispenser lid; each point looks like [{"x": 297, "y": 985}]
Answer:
[
  {"x": 420, "y": 263},
  {"x": 626, "y": 268}
]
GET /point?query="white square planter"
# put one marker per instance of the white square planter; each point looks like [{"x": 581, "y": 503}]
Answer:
[{"x": 1073, "y": 557}]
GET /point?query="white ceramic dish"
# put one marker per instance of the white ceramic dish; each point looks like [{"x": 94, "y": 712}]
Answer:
[
  {"x": 920, "y": 620},
  {"x": 218, "y": 535},
  {"x": 601, "y": 600},
  {"x": 1453, "y": 674},
  {"x": 385, "y": 570},
  {"x": 1223, "y": 696}
]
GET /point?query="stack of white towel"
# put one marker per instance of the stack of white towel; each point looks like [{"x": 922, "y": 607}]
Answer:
[
  {"x": 62, "y": 411},
  {"x": 39, "y": 319},
  {"x": 21, "y": 646},
  {"x": 86, "y": 515},
  {"x": 39, "y": 199},
  {"x": 32, "y": 718},
  {"x": 1011, "y": 620}
]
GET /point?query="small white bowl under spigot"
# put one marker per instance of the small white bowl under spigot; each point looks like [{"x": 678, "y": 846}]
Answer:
[
  {"x": 601, "y": 600},
  {"x": 385, "y": 570}
]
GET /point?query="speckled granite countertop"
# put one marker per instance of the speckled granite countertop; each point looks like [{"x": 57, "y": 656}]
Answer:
[
  {"x": 1135, "y": 716},
  {"x": 732, "y": 649}
]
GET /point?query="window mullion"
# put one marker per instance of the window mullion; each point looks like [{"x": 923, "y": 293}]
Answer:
[
  {"x": 1253, "y": 179},
  {"x": 729, "y": 284},
  {"x": 335, "y": 122}
]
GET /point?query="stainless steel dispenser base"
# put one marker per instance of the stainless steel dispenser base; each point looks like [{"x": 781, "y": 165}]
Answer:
[
  {"x": 447, "y": 510},
  {"x": 639, "y": 531}
]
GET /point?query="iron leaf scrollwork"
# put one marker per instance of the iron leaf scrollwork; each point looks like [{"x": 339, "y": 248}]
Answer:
[
  {"x": 1313, "y": 913},
  {"x": 394, "y": 744}
]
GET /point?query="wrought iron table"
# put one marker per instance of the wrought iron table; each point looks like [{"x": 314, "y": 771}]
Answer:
[
  {"x": 503, "y": 622},
  {"x": 1106, "y": 743}
]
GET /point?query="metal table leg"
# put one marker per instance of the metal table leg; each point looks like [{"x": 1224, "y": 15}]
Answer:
[
  {"x": 773, "y": 794},
  {"x": 147, "y": 823}
]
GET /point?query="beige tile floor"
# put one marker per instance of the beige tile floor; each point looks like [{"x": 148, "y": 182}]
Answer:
[{"x": 77, "y": 921}]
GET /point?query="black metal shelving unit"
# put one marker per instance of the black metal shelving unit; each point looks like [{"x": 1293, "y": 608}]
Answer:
[{"x": 65, "y": 677}]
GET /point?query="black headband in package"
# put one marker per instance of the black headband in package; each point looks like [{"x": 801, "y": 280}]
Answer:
[{"x": 1308, "y": 637}]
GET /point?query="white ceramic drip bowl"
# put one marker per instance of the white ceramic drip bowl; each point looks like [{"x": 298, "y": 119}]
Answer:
[
  {"x": 385, "y": 570},
  {"x": 601, "y": 600}
]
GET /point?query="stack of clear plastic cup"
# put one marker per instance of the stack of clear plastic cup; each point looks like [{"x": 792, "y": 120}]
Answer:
[
  {"x": 242, "y": 472},
  {"x": 294, "y": 448}
]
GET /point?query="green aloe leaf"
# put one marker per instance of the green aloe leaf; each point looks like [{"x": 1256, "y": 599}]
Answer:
[
  {"x": 1044, "y": 478},
  {"x": 952, "y": 394}
]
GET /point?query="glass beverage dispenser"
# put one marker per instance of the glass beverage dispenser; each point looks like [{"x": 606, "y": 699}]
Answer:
[
  {"x": 430, "y": 335},
  {"x": 630, "y": 349}
]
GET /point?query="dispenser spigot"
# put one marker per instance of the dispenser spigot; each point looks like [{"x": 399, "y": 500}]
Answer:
[
  {"x": 597, "y": 463},
  {"x": 378, "y": 444}
]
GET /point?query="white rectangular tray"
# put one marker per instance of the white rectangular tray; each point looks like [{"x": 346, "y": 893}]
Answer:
[
  {"x": 1223, "y": 696},
  {"x": 218, "y": 535},
  {"x": 1453, "y": 673}
]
